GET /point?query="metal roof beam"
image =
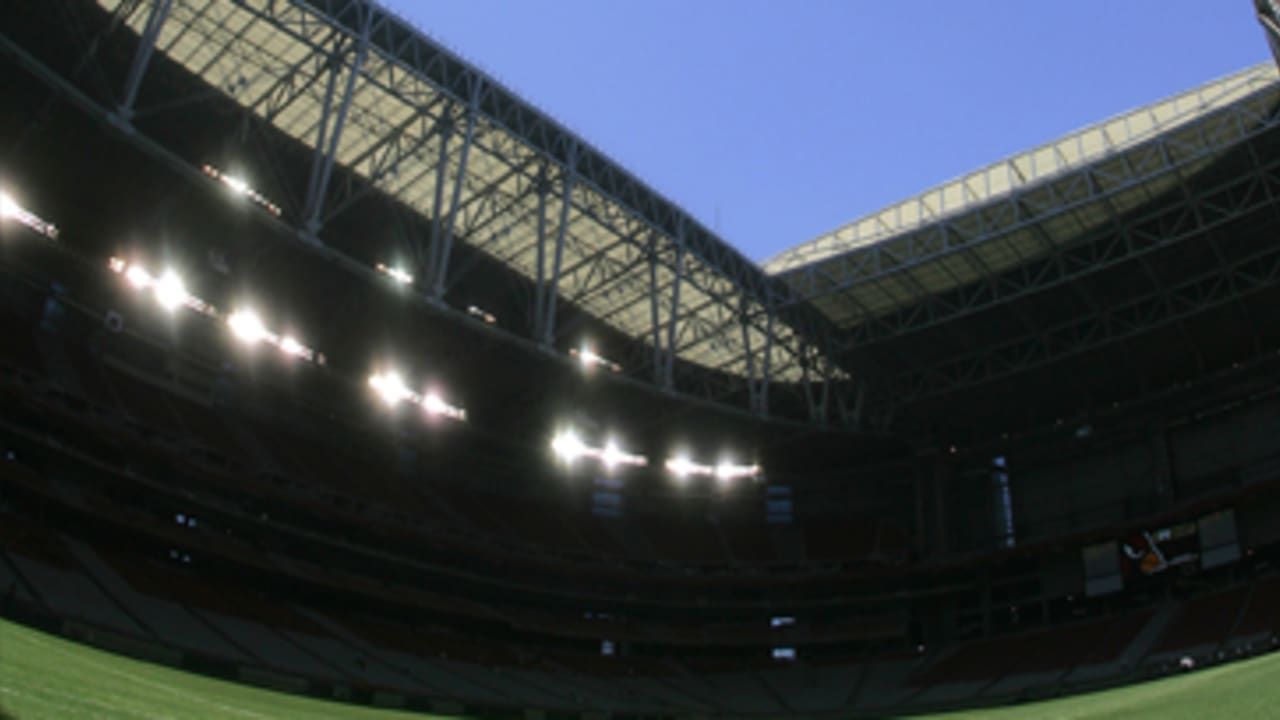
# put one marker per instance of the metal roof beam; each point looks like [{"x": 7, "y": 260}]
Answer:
[{"x": 1257, "y": 271}]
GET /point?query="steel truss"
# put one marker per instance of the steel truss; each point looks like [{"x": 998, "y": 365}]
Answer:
[
  {"x": 586, "y": 232},
  {"x": 1026, "y": 210},
  {"x": 1120, "y": 241},
  {"x": 1258, "y": 270}
]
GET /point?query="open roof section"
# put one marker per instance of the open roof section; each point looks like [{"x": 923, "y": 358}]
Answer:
[
  {"x": 1014, "y": 174},
  {"x": 370, "y": 93},
  {"x": 1025, "y": 207}
]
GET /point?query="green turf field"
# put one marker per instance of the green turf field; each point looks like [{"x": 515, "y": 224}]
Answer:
[{"x": 47, "y": 677}]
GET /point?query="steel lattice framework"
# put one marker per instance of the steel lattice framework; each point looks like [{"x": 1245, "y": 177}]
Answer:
[
  {"x": 406, "y": 118},
  {"x": 383, "y": 110}
]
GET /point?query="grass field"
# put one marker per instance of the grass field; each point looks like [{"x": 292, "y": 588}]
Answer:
[{"x": 42, "y": 676}]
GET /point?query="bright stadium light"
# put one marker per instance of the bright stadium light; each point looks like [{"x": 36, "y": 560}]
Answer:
[
  {"x": 236, "y": 184},
  {"x": 247, "y": 326},
  {"x": 477, "y": 312},
  {"x": 682, "y": 467},
  {"x": 11, "y": 210},
  {"x": 611, "y": 456},
  {"x": 390, "y": 386},
  {"x": 290, "y": 346},
  {"x": 393, "y": 390},
  {"x": 568, "y": 446},
  {"x": 240, "y": 186},
  {"x": 590, "y": 359},
  {"x": 399, "y": 274},
  {"x": 727, "y": 472},
  {"x": 170, "y": 291},
  {"x": 436, "y": 406},
  {"x": 139, "y": 277}
]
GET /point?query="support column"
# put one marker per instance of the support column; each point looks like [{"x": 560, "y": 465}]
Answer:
[
  {"x": 668, "y": 370},
  {"x": 440, "y": 256},
  {"x": 767, "y": 370},
  {"x": 142, "y": 58},
  {"x": 540, "y": 249},
  {"x": 655, "y": 326},
  {"x": 327, "y": 147},
  {"x": 753, "y": 402},
  {"x": 548, "y": 322}
]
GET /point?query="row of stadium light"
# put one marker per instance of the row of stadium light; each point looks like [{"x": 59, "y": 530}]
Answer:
[
  {"x": 570, "y": 449},
  {"x": 169, "y": 291},
  {"x": 11, "y": 210}
]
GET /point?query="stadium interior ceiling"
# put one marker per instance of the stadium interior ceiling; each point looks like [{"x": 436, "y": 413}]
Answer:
[{"x": 1100, "y": 327}]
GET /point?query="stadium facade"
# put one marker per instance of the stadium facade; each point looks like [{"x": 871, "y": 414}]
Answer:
[{"x": 332, "y": 365}]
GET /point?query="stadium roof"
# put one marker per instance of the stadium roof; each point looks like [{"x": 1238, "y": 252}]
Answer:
[
  {"x": 1024, "y": 207},
  {"x": 531, "y": 194}
]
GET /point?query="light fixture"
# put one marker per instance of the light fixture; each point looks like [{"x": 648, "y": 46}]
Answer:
[
  {"x": 240, "y": 186},
  {"x": 11, "y": 210},
  {"x": 138, "y": 277},
  {"x": 569, "y": 447},
  {"x": 485, "y": 316},
  {"x": 391, "y": 387},
  {"x": 247, "y": 326},
  {"x": 290, "y": 346},
  {"x": 591, "y": 359},
  {"x": 169, "y": 290},
  {"x": 397, "y": 273},
  {"x": 682, "y": 467}
]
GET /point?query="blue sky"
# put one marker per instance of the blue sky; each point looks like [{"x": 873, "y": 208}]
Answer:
[{"x": 774, "y": 121}]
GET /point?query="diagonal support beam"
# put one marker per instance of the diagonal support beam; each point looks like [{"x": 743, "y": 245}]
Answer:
[
  {"x": 442, "y": 247},
  {"x": 326, "y": 148},
  {"x": 142, "y": 58},
  {"x": 547, "y": 322}
]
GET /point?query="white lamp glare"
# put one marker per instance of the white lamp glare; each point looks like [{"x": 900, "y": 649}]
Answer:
[
  {"x": 290, "y": 346},
  {"x": 236, "y": 184},
  {"x": 568, "y": 446},
  {"x": 390, "y": 386},
  {"x": 247, "y": 326},
  {"x": 680, "y": 466},
  {"x": 8, "y": 206},
  {"x": 138, "y": 277},
  {"x": 170, "y": 292},
  {"x": 612, "y": 456},
  {"x": 434, "y": 404}
]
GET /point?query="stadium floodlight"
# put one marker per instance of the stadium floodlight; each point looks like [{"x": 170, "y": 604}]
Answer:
[
  {"x": 436, "y": 406},
  {"x": 612, "y": 455},
  {"x": 590, "y": 359},
  {"x": 683, "y": 468},
  {"x": 727, "y": 472},
  {"x": 393, "y": 390},
  {"x": 569, "y": 447},
  {"x": 139, "y": 277},
  {"x": 11, "y": 210},
  {"x": 247, "y": 326},
  {"x": 399, "y": 274},
  {"x": 170, "y": 291},
  {"x": 483, "y": 315},
  {"x": 290, "y": 346},
  {"x": 240, "y": 186},
  {"x": 390, "y": 385}
]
